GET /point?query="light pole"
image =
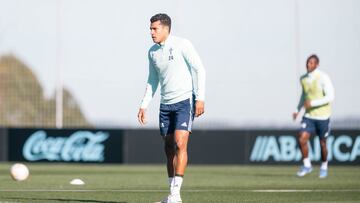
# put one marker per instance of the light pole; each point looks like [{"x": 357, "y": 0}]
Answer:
[
  {"x": 297, "y": 40},
  {"x": 59, "y": 83}
]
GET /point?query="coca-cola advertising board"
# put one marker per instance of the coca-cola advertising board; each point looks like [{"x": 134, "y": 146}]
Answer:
[{"x": 68, "y": 145}]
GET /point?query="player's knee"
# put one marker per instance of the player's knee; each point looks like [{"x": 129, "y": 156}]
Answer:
[
  {"x": 302, "y": 140},
  {"x": 181, "y": 145},
  {"x": 169, "y": 148},
  {"x": 323, "y": 143}
]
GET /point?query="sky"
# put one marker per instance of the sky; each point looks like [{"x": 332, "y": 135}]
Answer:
[{"x": 254, "y": 52}]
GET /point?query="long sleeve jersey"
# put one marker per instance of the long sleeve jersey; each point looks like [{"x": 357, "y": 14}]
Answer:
[
  {"x": 176, "y": 65},
  {"x": 317, "y": 87}
]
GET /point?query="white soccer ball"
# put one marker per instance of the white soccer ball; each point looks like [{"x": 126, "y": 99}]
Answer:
[
  {"x": 19, "y": 172},
  {"x": 77, "y": 182}
]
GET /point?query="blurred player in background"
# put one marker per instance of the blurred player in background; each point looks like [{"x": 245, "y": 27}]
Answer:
[
  {"x": 174, "y": 63},
  {"x": 317, "y": 94}
]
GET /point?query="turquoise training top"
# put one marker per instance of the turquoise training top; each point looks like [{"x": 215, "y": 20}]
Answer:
[{"x": 176, "y": 65}]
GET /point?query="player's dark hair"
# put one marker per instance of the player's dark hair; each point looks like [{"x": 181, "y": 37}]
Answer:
[
  {"x": 163, "y": 18},
  {"x": 313, "y": 56}
]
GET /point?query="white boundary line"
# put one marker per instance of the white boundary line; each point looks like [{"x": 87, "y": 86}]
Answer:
[{"x": 196, "y": 190}]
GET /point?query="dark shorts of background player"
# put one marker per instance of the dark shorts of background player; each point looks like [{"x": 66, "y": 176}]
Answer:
[
  {"x": 314, "y": 126},
  {"x": 178, "y": 116}
]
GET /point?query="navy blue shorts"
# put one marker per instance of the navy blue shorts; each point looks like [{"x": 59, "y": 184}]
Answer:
[
  {"x": 178, "y": 116},
  {"x": 318, "y": 127}
]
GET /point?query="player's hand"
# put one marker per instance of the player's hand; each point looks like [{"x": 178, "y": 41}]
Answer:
[
  {"x": 307, "y": 104},
  {"x": 199, "y": 108},
  {"x": 142, "y": 116},
  {"x": 295, "y": 115}
]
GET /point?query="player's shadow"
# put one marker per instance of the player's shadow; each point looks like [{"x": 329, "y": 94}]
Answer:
[{"x": 62, "y": 200}]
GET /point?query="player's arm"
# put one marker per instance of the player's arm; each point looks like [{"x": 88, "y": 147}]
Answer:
[
  {"x": 300, "y": 105},
  {"x": 198, "y": 70},
  {"x": 328, "y": 92},
  {"x": 151, "y": 86}
]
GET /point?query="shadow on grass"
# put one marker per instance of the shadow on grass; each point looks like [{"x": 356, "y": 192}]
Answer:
[{"x": 60, "y": 200}]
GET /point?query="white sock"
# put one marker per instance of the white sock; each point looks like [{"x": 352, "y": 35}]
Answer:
[
  {"x": 307, "y": 162},
  {"x": 175, "y": 190},
  {"x": 171, "y": 184},
  {"x": 324, "y": 165},
  {"x": 171, "y": 179}
]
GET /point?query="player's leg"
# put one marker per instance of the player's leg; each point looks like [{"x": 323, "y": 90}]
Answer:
[
  {"x": 324, "y": 152},
  {"x": 303, "y": 139},
  {"x": 167, "y": 128},
  {"x": 170, "y": 150},
  {"x": 183, "y": 118},
  {"x": 307, "y": 127},
  {"x": 324, "y": 163},
  {"x": 323, "y": 131},
  {"x": 181, "y": 142},
  {"x": 181, "y": 159}
]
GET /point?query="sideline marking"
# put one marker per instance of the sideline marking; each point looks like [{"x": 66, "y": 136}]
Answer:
[{"x": 196, "y": 190}]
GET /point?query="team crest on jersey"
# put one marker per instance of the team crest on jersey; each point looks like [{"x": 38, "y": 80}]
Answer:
[{"x": 171, "y": 57}]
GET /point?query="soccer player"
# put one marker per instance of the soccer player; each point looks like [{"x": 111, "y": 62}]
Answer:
[
  {"x": 174, "y": 63},
  {"x": 317, "y": 94}
]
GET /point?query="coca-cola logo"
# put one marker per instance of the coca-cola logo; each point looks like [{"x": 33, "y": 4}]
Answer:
[{"x": 83, "y": 146}]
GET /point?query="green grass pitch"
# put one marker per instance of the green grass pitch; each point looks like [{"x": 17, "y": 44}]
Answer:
[{"x": 148, "y": 183}]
